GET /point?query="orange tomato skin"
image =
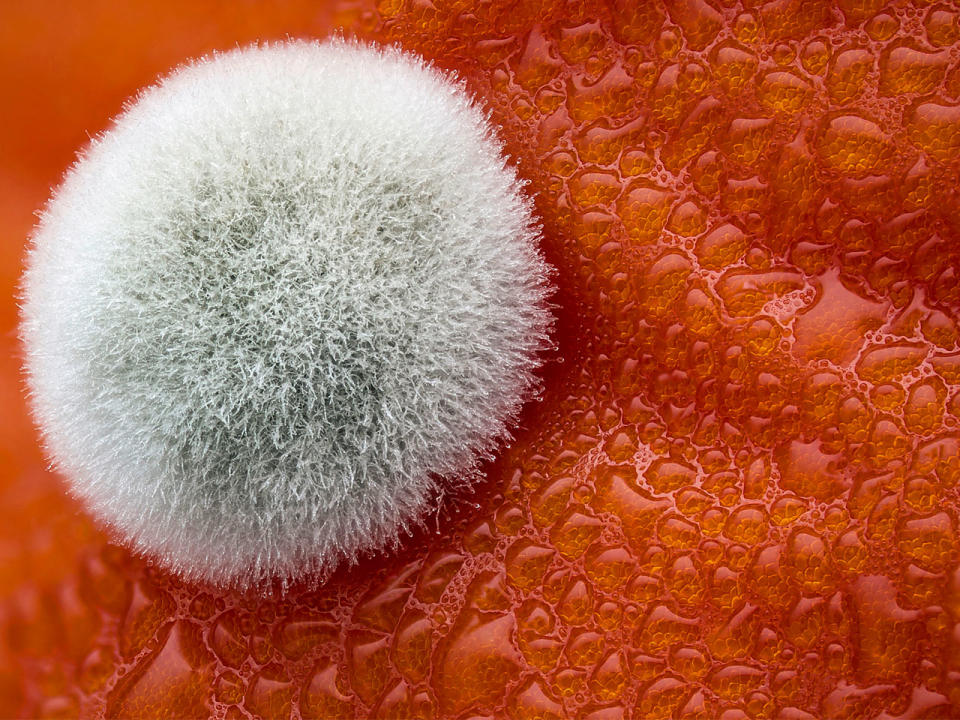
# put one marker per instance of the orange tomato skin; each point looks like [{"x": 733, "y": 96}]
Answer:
[{"x": 738, "y": 494}]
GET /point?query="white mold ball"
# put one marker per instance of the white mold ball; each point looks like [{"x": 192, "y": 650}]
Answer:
[{"x": 289, "y": 298}]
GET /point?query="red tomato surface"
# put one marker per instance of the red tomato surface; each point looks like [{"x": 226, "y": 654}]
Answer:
[{"x": 739, "y": 495}]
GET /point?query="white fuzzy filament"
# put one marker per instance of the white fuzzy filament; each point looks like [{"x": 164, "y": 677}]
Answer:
[{"x": 285, "y": 300}]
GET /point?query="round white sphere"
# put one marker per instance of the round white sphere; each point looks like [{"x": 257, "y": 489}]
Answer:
[{"x": 289, "y": 298}]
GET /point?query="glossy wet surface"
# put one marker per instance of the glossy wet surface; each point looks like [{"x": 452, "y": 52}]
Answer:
[{"x": 738, "y": 497}]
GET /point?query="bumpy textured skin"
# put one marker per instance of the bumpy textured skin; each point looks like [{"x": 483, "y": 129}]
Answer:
[
  {"x": 264, "y": 328},
  {"x": 738, "y": 498}
]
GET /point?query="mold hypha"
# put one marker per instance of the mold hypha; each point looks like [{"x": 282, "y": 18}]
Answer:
[{"x": 290, "y": 297}]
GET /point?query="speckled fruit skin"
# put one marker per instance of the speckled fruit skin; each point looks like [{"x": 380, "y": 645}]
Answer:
[{"x": 738, "y": 497}]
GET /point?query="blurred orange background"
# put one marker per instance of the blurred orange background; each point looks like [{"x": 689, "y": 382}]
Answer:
[{"x": 738, "y": 497}]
